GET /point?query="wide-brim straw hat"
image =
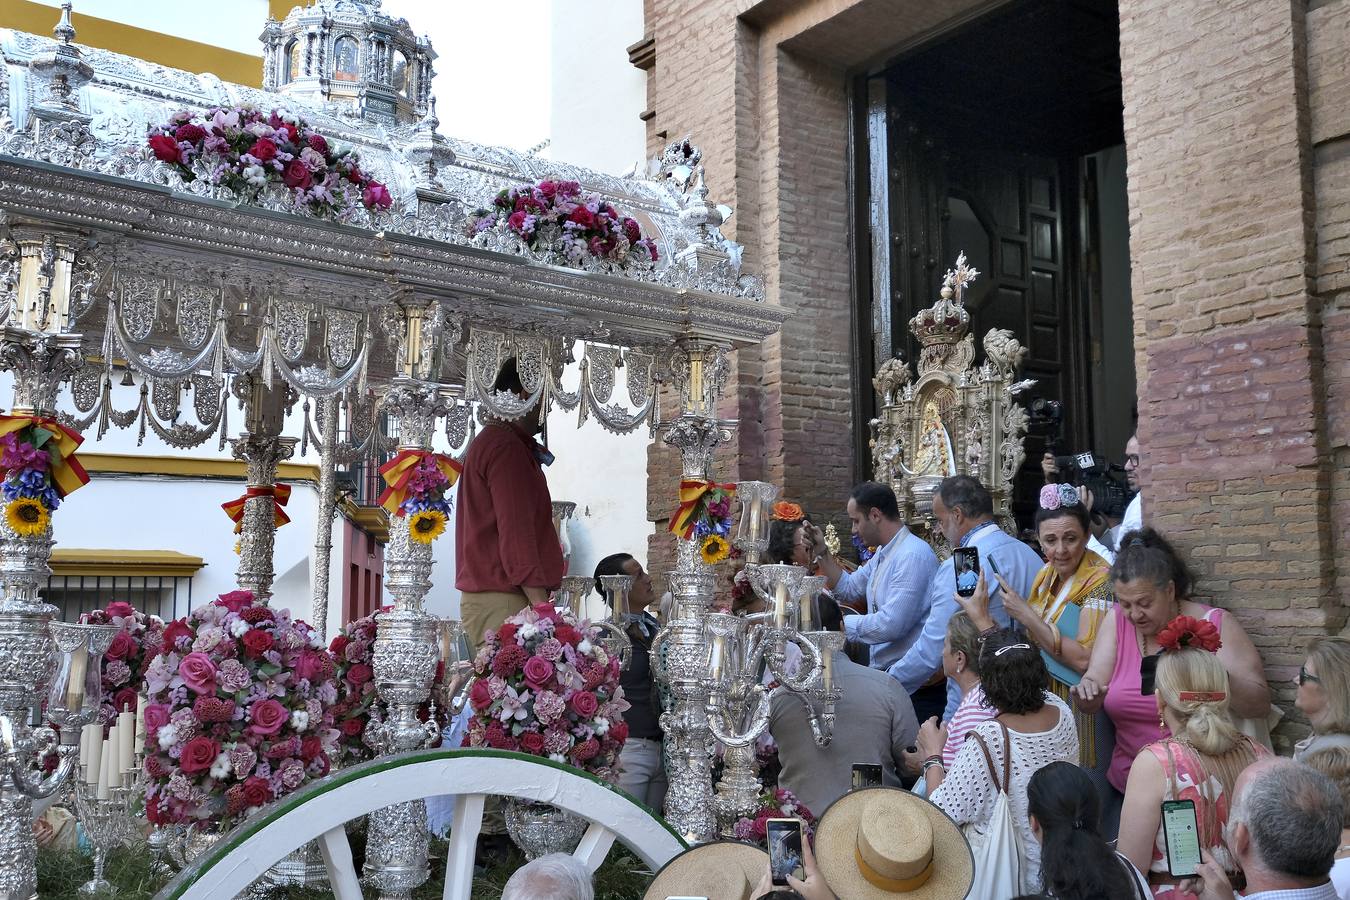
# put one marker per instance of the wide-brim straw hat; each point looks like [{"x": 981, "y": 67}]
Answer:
[
  {"x": 723, "y": 870},
  {"x": 908, "y": 847}
]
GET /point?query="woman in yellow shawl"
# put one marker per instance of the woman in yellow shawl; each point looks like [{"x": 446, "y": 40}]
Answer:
[{"x": 1069, "y": 599}]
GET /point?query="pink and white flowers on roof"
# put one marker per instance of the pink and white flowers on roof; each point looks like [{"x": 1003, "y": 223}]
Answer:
[
  {"x": 555, "y": 216},
  {"x": 244, "y": 149},
  {"x": 546, "y": 686},
  {"x": 240, "y": 711}
]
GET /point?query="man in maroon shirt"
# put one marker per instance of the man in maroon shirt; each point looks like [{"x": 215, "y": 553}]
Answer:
[{"x": 507, "y": 554}]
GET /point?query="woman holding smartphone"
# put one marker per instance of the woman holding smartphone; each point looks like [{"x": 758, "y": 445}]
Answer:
[{"x": 1196, "y": 766}]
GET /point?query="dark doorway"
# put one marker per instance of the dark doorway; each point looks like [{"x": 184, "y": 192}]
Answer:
[{"x": 1005, "y": 140}]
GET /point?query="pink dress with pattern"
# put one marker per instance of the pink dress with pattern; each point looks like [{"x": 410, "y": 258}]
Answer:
[{"x": 1186, "y": 779}]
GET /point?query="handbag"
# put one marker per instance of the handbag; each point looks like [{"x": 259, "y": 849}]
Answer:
[{"x": 995, "y": 843}]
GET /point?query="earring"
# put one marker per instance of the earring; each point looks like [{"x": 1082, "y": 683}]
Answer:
[{"x": 1161, "y": 722}]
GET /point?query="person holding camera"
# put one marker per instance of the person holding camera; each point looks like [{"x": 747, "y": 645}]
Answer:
[{"x": 1100, "y": 522}]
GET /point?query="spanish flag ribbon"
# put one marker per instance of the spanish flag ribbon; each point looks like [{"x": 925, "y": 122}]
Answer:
[
  {"x": 66, "y": 472},
  {"x": 280, "y": 493},
  {"x": 399, "y": 471},
  {"x": 692, "y": 492}
]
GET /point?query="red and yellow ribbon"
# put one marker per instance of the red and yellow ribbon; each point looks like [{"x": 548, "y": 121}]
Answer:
[
  {"x": 399, "y": 471},
  {"x": 66, "y": 473},
  {"x": 692, "y": 492},
  {"x": 280, "y": 493}
]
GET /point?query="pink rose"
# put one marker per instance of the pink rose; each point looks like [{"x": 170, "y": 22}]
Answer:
[
  {"x": 584, "y": 704},
  {"x": 235, "y": 600},
  {"x": 549, "y": 189},
  {"x": 538, "y": 671},
  {"x": 297, "y": 175},
  {"x": 198, "y": 755},
  {"x": 479, "y": 696},
  {"x": 120, "y": 609},
  {"x": 309, "y": 666},
  {"x": 376, "y": 196},
  {"x": 198, "y": 673},
  {"x": 267, "y": 717},
  {"x": 156, "y": 717},
  {"x": 121, "y": 645}
]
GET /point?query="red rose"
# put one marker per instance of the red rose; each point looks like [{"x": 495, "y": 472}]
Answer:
[
  {"x": 120, "y": 609},
  {"x": 339, "y": 644},
  {"x": 359, "y": 674},
  {"x": 297, "y": 175},
  {"x": 583, "y": 217},
  {"x": 479, "y": 695},
  {"x": 121, "y": 645},
  {"x": 256, "y": 791},
  {"x": 516, "y": 221},
  {"x": 567, "y": 634},
  {"x": 263, "y": 150},
  {"x": 619, "y": 732},
  {"x": 190, "y": 133},
  {"x": 310, "y": 747},
  {"x": 257, "y": 642},
  {"x": 354, "y": 175},
  {"x": 174, "y": 630},
  {"x": 235, "y": 600},
  {"x": 352, "y": 727},
  {"x": 507, "y": 633},
  {"x": 318, "y": 143},
  {"x": 292, "y": 133},
  {"x": 152, "y": 812},
  {"x": 584, "y": 704},
  {"x": 632, "y": 230},
  {"x": 267, "y": 717},
  {"x": 125, "y": 700},
  {"x": 198, "y": 755},
  {"x": 760, "y": 826},
  {"x": 165, "y": 148},
  {"x": 532, "y": 742}
]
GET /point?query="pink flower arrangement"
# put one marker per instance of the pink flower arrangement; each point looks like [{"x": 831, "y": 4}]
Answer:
[
  {"x": 774, "y": 803},
  {"x": 240, "y": 711},
  {"x": 547, "y": 687},
  {"x": 128, "y": 657},
  {"x": 244, "y": 149},
  {"x": 556, "y": 215}
]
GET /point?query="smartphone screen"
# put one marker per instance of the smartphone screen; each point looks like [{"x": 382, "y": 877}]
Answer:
[
  {"x": 785, "y": 850},
  {"x": 1182, "y": 836},
  {"x": 866, "y": 775},
  {"x": 1148, "y": 674},
  {"x": 966, "y": 561}
]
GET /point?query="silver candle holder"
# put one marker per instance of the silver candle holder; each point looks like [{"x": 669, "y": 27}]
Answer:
[
  {"x": 752, "y": 530},
  {"x": 107, "y": 817},
  {"x": 456, "y": 667},
  {"x": 571, "y": 595},
  {"x": 614, "y": 637}
]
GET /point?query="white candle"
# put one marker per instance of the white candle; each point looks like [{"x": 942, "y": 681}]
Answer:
[
  {"x": 91, "y": 775},
  {"x": 126, "y": 733},
  {"x": 79, "y": 662},
  {"x": 754, "y": 518},
  {"x": 780, "y": 597},
  {"x": 716, "y": 656},
  {"x": 805, "y": 611},
  {"x": 138, "y": 745},
  {"x": 115, "y": 748},
  {"x": 86, "y": 741},
  {"x": 105, "y": 753},
  {"x": 827, "y": 672}
]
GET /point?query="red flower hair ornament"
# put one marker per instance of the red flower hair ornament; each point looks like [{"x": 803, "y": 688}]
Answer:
[{"x": 1188, "y": 633}]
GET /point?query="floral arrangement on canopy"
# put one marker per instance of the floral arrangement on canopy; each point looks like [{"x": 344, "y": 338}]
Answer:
[
  {"x": 547, "y": 687},
  {"x": 556, "y": 216},
  {"x": 774, "y": 803},
  {"x": 239, "y": 713},
  {"x": 39, "y": 468},
  {"x": 704, "y": 514},
  {"x": 128, "y": 657},
  {"x": 419, "y": 483},
  {"x": 353, "y": 652},
  {"x": 244, "y": 149}
]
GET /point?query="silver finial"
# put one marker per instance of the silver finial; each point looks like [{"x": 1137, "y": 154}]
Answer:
[{"x": 64, "y": 30}]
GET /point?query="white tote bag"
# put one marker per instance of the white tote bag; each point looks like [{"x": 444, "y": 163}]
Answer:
[{"x": 995, "y": 843}]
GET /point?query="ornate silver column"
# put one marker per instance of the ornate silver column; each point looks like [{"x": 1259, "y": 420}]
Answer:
[
  {"x": 329, "y": 408},
  {"x": 698, "y": 373},
  {"x": 261, "y": 448},
  {"x": 35, "y": 287},
  {"x": 406, "y": 648}
]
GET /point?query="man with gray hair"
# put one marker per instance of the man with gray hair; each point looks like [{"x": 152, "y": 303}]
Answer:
[
  {"x": 1284, "y": 830},
  {"x": 553, "y": 877}
]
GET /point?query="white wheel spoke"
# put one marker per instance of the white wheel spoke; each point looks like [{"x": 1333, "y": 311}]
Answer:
[
  {"x": 594, "y": 846},
  {"x": 464, "y": 828},
  {"x": 337, "y": 858}
]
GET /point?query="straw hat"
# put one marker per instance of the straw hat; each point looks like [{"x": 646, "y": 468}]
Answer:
[
  {"x": 884, "y": 842},
  {"x": 723, "y": 870}
]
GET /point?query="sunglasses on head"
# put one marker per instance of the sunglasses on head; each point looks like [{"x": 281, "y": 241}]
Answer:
[{"x": 1304, "y": 676}]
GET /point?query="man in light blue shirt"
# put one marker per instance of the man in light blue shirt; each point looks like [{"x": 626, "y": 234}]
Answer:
[
  {"x": 894, "y": 582},
  {"x": 964, "y": 511}
]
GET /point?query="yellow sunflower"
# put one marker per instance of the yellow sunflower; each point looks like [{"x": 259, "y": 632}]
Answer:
[
  {"x": 427, "y": 525},
  {"x": 714, "y": 549},
  {"x": 27, "y": 516}
]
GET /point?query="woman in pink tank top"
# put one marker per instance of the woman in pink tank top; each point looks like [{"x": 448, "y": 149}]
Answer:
[{"x": 1151, "y": 584}]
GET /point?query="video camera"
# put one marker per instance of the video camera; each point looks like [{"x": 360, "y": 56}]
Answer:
[{"x": 1110, "y": 492}]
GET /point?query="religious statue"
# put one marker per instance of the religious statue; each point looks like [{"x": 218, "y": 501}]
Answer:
[{"x": 933, "y": 453}]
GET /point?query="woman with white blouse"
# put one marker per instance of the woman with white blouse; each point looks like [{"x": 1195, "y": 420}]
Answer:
[{"x": 1032, "y": 727}]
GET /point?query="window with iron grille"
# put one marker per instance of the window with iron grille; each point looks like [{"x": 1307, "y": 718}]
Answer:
[{"x": 166, "y": 596}]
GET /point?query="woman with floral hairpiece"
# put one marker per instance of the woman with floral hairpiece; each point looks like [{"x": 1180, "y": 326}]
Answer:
[
  {"x": 1199, "y": 760},
  {"x": 1152, "y": 588},
  {"x": 1069, "y": 599}
]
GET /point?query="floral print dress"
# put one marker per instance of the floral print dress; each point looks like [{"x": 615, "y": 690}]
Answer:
[{"x": 1187, "y": 779}]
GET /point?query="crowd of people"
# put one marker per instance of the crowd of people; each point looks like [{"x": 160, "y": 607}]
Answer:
[{"x": 1045, "y": 718}]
